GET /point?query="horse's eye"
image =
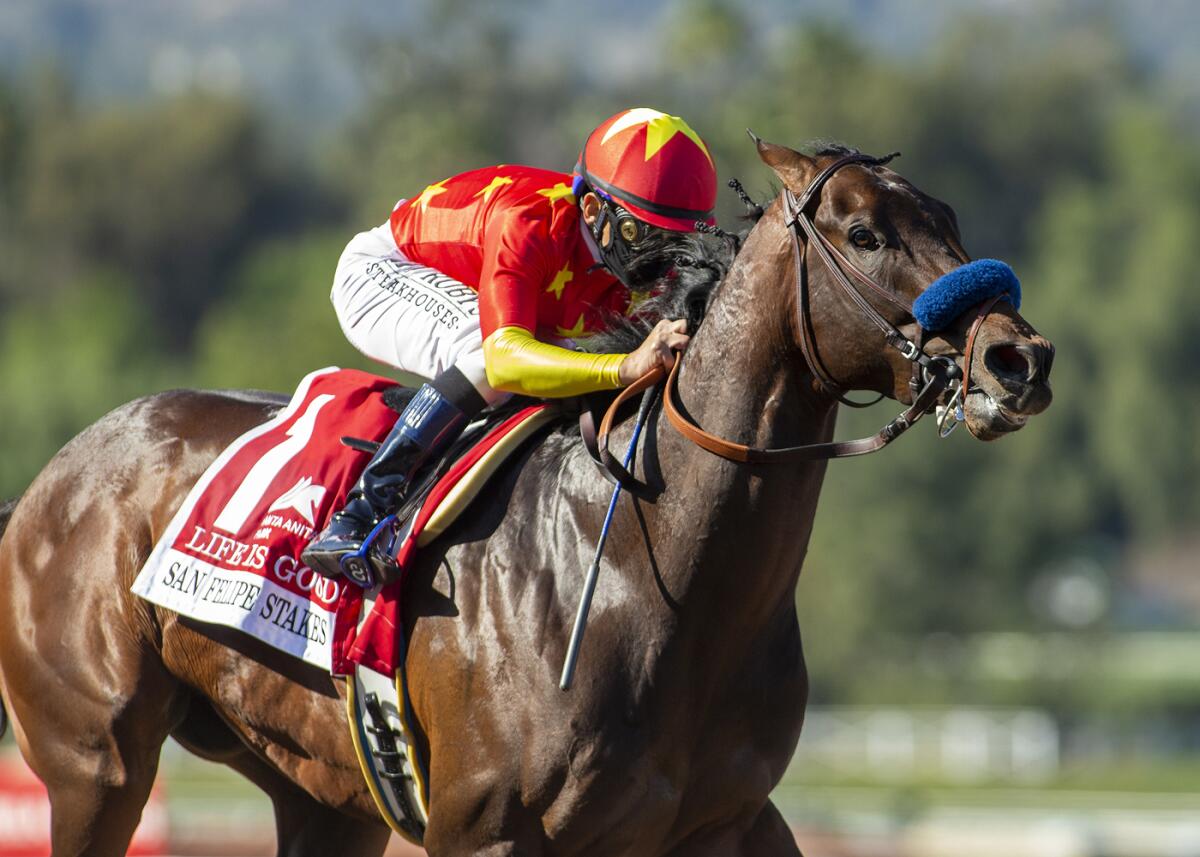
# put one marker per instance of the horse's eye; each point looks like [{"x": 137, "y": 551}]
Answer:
[{"x": 863, "y": 238}]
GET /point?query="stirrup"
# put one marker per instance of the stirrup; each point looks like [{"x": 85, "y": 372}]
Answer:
[{"x": 374, "y": 564}]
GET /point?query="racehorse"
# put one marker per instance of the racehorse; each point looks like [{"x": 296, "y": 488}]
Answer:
[{"x": 690, "y": 693}]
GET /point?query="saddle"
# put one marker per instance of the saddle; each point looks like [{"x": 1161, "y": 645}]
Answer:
[
  {"x": 519, "y": 415},
  {"x": 379, "y": 709}
]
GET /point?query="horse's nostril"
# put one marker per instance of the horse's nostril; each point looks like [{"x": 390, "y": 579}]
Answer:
[
  {"x": 1028, "y": 363},
  {"x": 1012, "y": 361}
]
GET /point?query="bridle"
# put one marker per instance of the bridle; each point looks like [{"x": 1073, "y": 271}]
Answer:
[
  {"x": 925, "y": 368},
  {"x": 801, "y": 225},
  {"x": 932, "y": 376}
]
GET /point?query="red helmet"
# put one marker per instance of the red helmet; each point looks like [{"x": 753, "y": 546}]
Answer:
[{"x": 654, "y": 166}]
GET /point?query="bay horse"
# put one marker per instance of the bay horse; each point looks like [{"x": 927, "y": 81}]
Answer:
[{"x": 690, "y": 692}]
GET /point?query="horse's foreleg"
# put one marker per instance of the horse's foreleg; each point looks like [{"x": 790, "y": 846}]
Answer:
[
  {"x": 768, "y": 835},
  {"x": 463, "y": 824}
]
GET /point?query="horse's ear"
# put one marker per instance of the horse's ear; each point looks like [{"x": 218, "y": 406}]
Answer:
[{"x": 795, "y": 169}]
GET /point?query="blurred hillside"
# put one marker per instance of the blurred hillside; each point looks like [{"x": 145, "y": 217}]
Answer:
[
  {"x": 301, "y": 59},
  {"x": 177, "y": 181}
]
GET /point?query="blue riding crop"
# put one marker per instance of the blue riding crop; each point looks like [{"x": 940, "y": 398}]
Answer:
[{"x": 589, "y": 586}]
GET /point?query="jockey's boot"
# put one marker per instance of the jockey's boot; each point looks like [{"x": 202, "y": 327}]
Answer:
[{"x": 428, "y": 424}]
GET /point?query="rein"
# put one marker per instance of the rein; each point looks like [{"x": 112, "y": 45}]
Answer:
[{"x": 932, "y": 376}]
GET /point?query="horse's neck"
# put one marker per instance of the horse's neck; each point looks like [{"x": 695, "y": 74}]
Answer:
[{"x": 740, "y": 532}]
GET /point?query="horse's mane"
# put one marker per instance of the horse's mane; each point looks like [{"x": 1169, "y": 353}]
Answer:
[
  {"x": 821, "y": 147},
  {"x": 6, "y": 510},
  {"x": 680, "y": 271}
]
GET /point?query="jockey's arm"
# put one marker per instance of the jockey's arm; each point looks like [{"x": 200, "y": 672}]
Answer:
[
  {"x": 519, "y": 259},
  {"x": 520, "y": 256},
  {"x": 517, "y": 362}
]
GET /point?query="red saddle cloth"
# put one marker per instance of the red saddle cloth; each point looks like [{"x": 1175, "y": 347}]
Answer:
[{"x": 231, "y": 554}]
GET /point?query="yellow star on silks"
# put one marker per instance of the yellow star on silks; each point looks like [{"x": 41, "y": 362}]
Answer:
[
  {"x": 430, "y": 192},
  {"x": 571, "y": 332},
  {"x": 559, "y": 191},
  {"x": 498, "y": 181},
  {"x": 636, "y": 299},
  {"x": 560, "y": 281},
  {"x": 660, "y": 128}
]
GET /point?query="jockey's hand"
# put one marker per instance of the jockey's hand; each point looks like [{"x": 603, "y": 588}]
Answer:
[{"x": 658, "y": 349}]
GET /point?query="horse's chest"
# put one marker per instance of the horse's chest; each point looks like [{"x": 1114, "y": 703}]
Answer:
[
  {"x": 676, "y": 763},
  {"x": 649, "y": 802}
]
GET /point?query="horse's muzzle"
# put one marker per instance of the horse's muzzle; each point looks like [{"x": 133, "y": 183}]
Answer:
[{"x": 1009, "y": 385}]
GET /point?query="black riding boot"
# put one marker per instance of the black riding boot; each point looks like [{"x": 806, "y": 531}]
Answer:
[{"x": 429, "y": 423}]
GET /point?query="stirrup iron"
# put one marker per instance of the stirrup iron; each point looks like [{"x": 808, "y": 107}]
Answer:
[{"x": 374, "y": 564}]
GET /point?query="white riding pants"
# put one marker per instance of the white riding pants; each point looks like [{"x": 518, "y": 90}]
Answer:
[{"x": 407, "y": 315}]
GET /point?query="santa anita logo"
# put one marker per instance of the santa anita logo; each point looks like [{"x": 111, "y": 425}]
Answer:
[
  {"x": 303, "y": 498},
  {"x": 294, "y": 511}
]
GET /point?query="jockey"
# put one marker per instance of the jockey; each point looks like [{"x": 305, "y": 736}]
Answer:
[{"x": 483, "y": 280}]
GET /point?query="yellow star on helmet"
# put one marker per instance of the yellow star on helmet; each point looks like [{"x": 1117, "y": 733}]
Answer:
[
  {"x": 560, "y": 281},
  {"x": 559, "y": 191},
  {"x": 430, "y": 192},
  {"x": 660, "y": 128},
  {"x": 571, "y": 332},
  {"x": 498, "y": 181}
]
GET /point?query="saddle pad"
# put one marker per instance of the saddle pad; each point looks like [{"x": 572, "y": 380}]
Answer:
[{"x": 231, "y": 554}]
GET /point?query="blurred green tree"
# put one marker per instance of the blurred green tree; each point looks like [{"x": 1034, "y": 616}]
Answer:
[
  {"x": 65, "y": 361},
  {"x": 170, "y": 193},
  {"x": 276, "y": 324}
]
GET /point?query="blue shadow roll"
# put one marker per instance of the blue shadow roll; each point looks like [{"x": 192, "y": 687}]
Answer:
[{"x": 952, "y": 294}]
